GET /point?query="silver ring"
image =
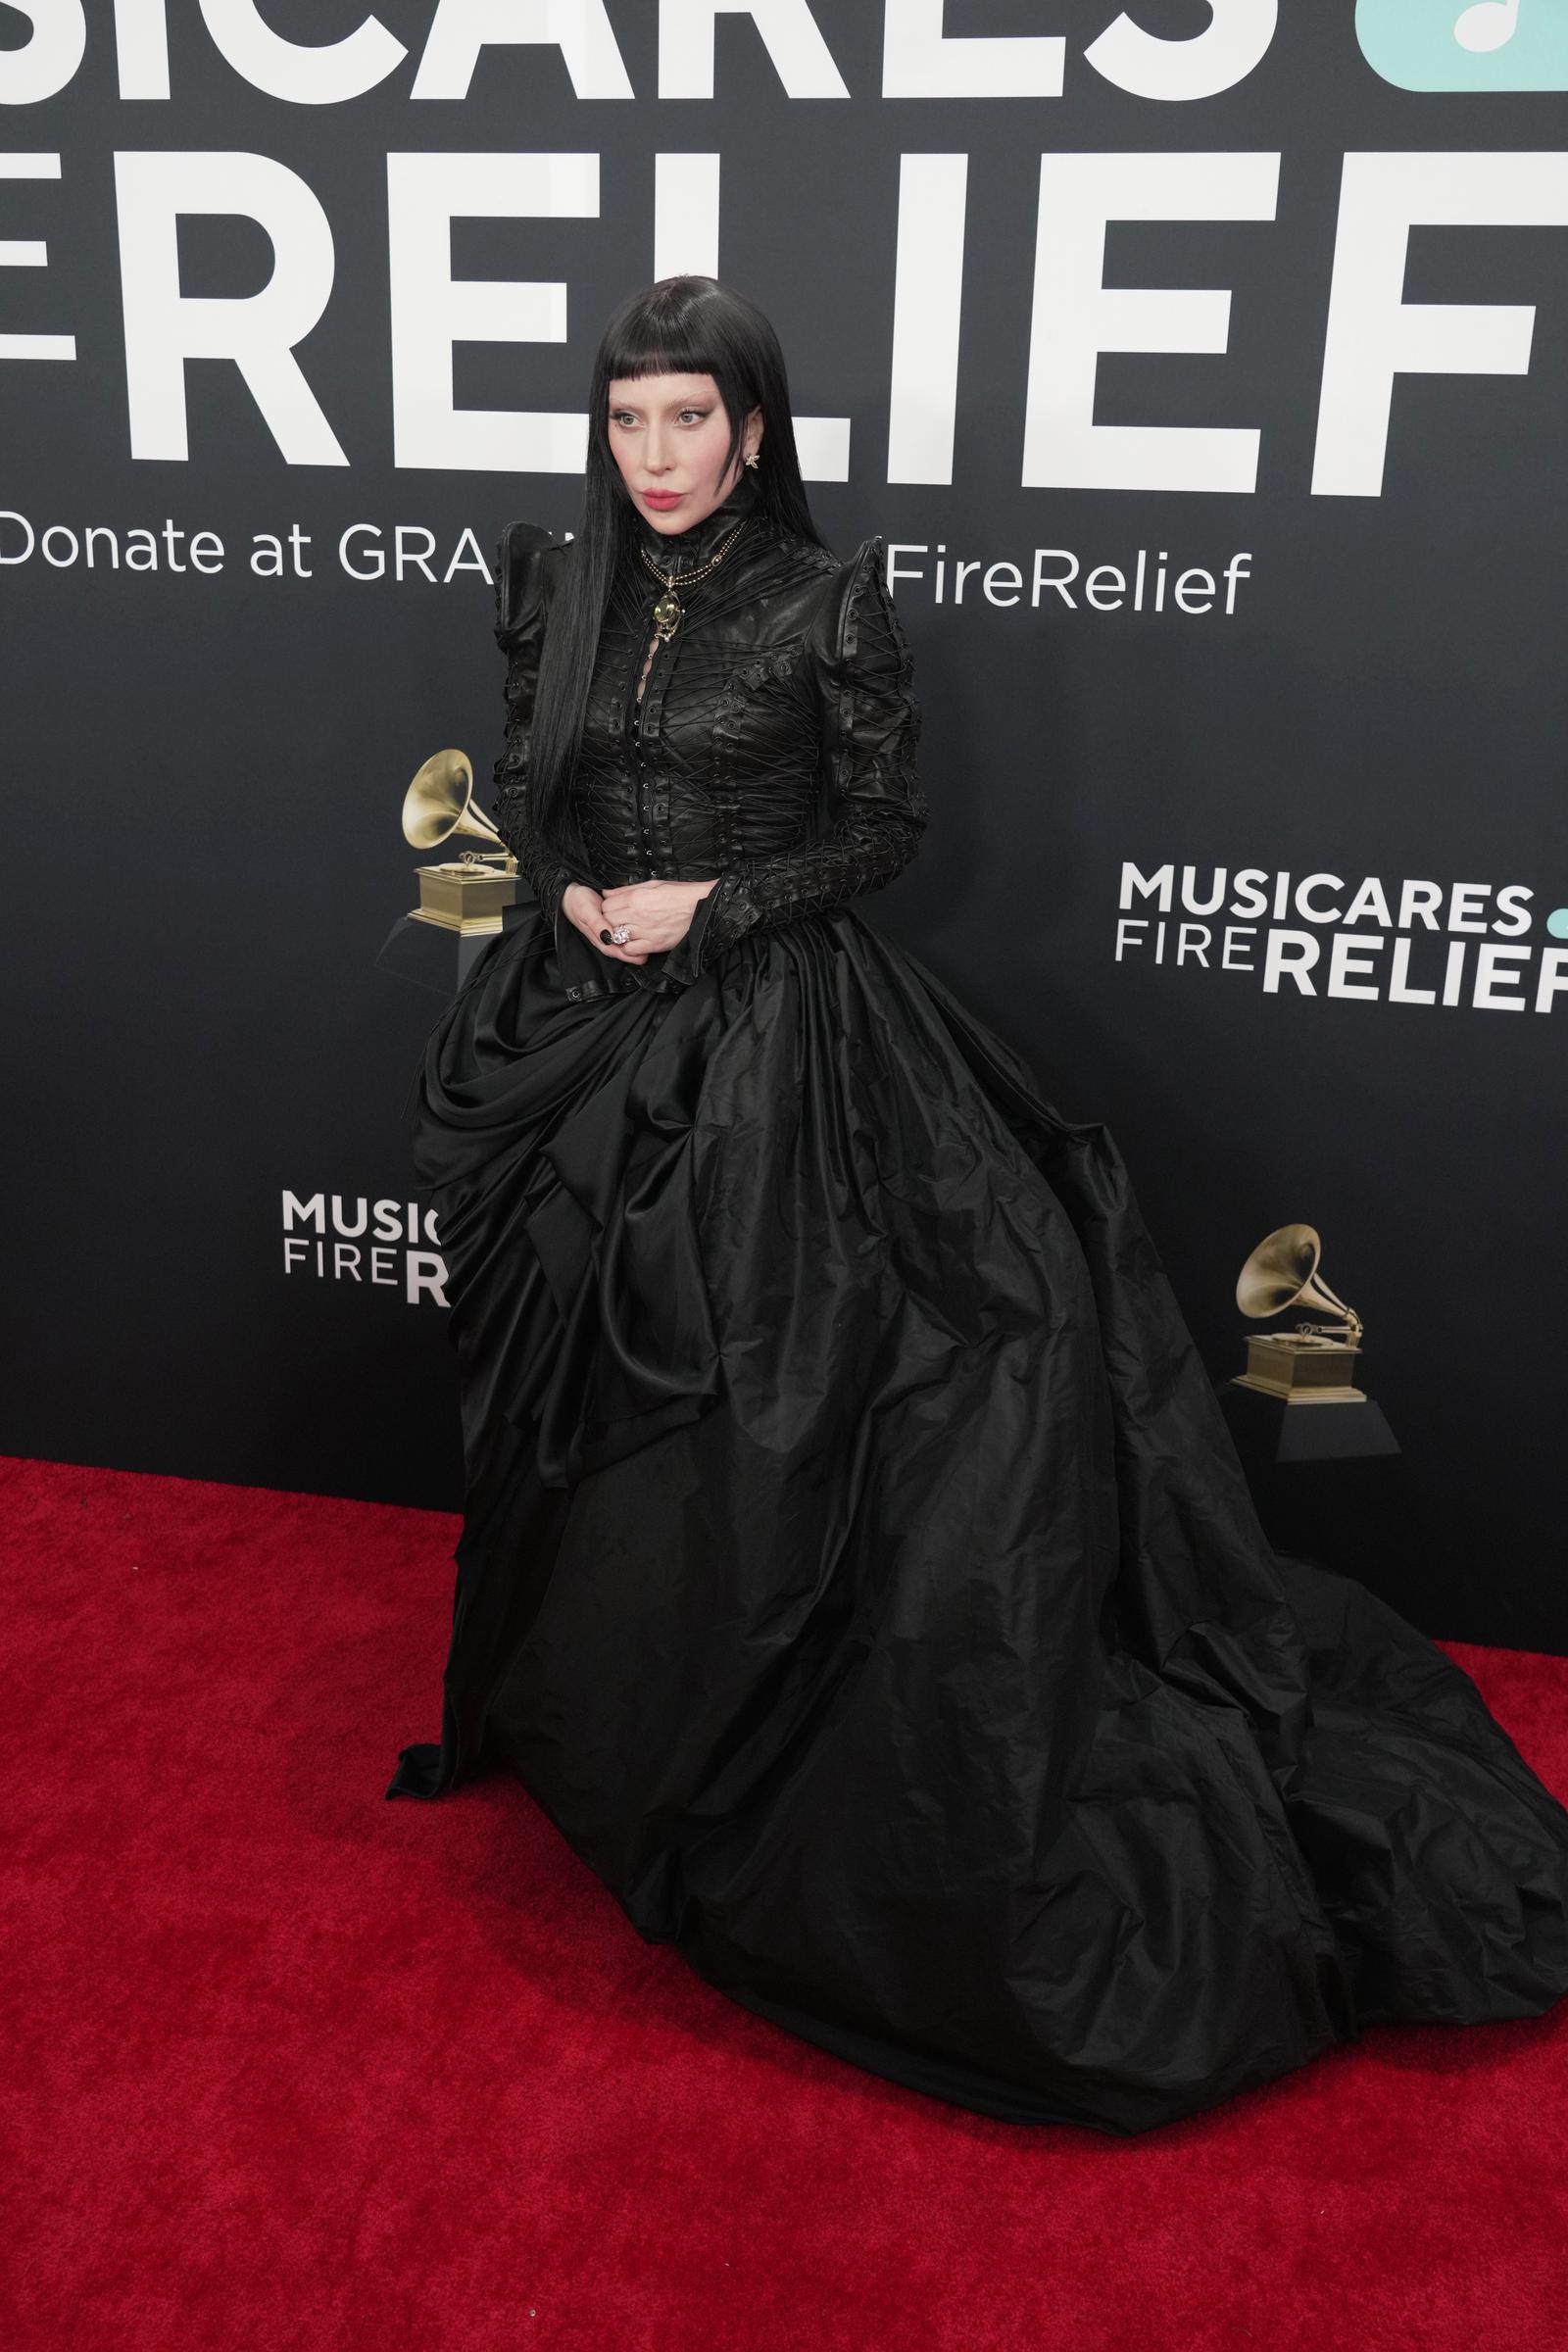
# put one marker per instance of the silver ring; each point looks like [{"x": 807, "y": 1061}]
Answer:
[{"x": 620, "y": 935}]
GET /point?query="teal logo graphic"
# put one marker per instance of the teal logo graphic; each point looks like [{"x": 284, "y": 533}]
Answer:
[{"x": 1466, "y": 44}]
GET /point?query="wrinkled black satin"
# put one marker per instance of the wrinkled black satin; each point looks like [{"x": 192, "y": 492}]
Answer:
[{"x": 859, "y": 1571}]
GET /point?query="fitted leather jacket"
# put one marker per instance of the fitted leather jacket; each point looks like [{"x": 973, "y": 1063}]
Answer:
[{"x": 774, "y": 748}]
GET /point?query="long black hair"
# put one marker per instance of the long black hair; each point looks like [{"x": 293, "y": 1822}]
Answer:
[{"x": 687, "y": 326}]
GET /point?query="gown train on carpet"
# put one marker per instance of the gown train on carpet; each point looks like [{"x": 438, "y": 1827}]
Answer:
[{"x": 858, "y": 1569}]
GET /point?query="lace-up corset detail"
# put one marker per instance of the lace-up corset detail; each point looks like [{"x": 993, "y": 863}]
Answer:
[{"x": 771, "y": 744}]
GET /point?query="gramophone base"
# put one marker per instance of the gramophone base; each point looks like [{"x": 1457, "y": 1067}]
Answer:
[
  {"x": 1343, "y": 1391},
  {"x": 1301, "y": 1367},
  {"x": 462, "y": 926},
  {"x": 467, "y": 895}
]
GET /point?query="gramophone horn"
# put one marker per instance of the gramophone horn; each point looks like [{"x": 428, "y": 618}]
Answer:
[
  {"x": 440, "y": 802},
  {"x": 1282, "y": 1271}
]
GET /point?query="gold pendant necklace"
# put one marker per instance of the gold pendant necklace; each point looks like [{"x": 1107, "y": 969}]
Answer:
[{"x": 668, "y": 612}]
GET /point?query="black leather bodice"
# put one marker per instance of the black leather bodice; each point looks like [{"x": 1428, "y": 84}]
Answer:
[{"x": 773, "y": 747}]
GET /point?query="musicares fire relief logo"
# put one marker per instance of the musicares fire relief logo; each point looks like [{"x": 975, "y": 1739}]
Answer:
[
  {"x": 1400, "y": 941},
  {"x": 375, "y": 1244}
]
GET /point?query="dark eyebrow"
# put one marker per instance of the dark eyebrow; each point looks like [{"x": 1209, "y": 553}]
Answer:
[{"x": 693, "y": 400}]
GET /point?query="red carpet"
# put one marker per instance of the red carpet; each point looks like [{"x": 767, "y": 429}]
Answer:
[{"x": 288, "y": 2066}]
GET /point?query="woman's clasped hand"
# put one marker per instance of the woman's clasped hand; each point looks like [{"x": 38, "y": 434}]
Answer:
[{"x": 658, "y": 915}]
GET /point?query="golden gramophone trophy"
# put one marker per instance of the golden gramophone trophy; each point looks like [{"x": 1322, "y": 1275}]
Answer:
[
  {"x": 1311, "y": 1364},
  {"x": 1332, "y": 1487},
  {"x": 468, "y": 894}
]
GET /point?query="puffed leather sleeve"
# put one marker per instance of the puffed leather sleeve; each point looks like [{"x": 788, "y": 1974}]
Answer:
[
  {"x": 871, "y": 727},
  {"x": 522, "y": 600}
]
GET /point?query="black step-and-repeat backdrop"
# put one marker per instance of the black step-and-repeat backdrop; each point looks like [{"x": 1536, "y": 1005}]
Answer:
[{"x": 1205, "y": 367}]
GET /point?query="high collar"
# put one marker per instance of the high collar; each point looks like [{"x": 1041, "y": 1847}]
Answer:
[{"x": 677, "y": 551}]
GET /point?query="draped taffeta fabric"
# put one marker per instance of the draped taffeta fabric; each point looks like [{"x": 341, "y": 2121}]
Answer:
[{"x": 855, "y": 1565}]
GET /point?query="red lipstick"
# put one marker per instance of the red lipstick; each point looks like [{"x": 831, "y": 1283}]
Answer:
[{"x": 661, "y": 498}]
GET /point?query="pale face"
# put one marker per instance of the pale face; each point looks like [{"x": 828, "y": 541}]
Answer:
[{"x": 667, "y": 434}]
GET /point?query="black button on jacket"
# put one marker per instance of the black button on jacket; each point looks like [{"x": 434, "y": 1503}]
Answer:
[{"x": 774, "y": 747}]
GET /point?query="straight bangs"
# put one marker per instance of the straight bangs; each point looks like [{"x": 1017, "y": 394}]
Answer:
[{"x": 644, "y": 343}]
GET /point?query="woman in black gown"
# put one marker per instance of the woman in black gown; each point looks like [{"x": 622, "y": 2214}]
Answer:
[{"x": 855, "y": 1564}]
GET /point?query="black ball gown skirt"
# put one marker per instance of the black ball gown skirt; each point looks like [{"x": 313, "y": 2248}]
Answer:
[{"x": 858, "y": 1569}]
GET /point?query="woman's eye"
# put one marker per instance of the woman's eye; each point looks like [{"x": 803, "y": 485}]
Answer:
[{"x": 628, "y": 416}]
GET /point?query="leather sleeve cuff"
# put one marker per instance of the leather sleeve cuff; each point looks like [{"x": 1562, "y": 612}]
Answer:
[
  {"x": 550, "y": 889},
  {"x": 726, "y": 913}
]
